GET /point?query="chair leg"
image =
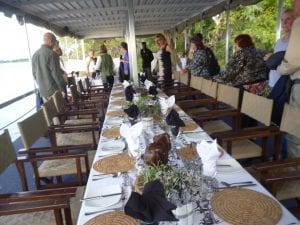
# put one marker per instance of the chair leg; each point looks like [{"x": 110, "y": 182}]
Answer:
[
  {"x": 58, "y": 217},
  {"x": 265, "y": 154},
  {"x": 21, "y": 171},
  {"x": 68, "y": 216},
  {"x": 59, "y": 179}
]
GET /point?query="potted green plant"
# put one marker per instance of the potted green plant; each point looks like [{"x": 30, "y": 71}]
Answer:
[
  {"x": 178, "y": 185},
  {"x": 149, "y": 110}
]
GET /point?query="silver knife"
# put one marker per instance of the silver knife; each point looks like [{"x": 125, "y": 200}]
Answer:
[
  {"x": 237, "y": 186},
  {"x": 99, "y": 196},
  {"x": 103, "y": 210}
]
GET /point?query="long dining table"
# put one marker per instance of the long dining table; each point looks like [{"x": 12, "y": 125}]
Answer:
[{"x": 118, "y": 186}]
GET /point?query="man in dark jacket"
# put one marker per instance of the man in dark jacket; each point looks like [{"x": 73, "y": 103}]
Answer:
[{"x": 147, "y": 57}]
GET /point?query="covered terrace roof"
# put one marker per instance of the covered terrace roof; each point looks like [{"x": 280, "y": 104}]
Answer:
[{"x": 108, "y": 18}]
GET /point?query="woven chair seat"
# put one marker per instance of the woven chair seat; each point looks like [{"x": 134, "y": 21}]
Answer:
[
  {"x": 196, "y": 111},
  {"x": 79, "y": 121},
  {"x": 60, "y": 167},
  {"x": 288, "y": 190},
  {"x": 215, "y": 126},
  {"x": 80, "y": 138},
  {"x": 43, "y": 217},
  {"x": 245, "y": 149}
]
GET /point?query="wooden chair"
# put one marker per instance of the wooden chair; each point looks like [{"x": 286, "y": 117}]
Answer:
[
  {"x": 282, "y": 177},
  {"x": 68, "y": 114},
  {"x": 96, "y": 88},
  {"x": 207, "y": 90},
  {"x": 56, "y": 161},
  {"x": 31, "y": 207},
  {"x": 228, "y": 107},
  {"x": 240, "y": 142},
  {"x": 97, "y": 101},
  {"x": 69, "y": 134}
]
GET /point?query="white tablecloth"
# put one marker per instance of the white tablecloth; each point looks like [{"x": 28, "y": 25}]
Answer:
[{"x": 238, "y": 174}]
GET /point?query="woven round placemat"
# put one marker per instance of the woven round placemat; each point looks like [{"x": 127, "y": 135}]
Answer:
[
  {"x": 112, "y": 218},
  {"x": 244, "y": 206},
  {"x": 115, "y": 113},
  {"x": 119, "y": 94},
  {"x": 114, "y": 164},
  {"x": 118, "y": 102},
  {"x": 187, "y": 153},
  {"x": 189, "y": 126},
  {"x": 111, "y": 132}
]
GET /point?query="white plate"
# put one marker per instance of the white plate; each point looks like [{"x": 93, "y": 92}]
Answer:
[
  {"x": 115, "y": 107},
  {"x": 233, "y": 168},
  {"x": 103, "y": 190},
  {"x": 196, "y": 136},
  {"x": 113, "y": 146},
  {"x": 114, "y": 121}
]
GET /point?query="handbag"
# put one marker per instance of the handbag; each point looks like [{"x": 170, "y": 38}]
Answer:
[{"x": 275, "y": 60}]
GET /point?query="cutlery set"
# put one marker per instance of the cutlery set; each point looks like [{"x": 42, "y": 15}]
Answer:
[
  {"x": 99, "y": 196},
  {"x": 236, "y": 184},
  {"x": 103, "y": 176}
]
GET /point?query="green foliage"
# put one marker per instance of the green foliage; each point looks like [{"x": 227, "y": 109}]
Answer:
[
  {"x": 148, "y": 107},
  {"x": 171, "y": 178}
]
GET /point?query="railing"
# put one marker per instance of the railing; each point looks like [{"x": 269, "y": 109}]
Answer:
[
  {"x": 13, "y": 101},
  {"x": 16, "y": 99}
]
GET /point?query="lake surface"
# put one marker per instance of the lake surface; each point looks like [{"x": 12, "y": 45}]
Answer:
[{"x": 16, "y": 80}]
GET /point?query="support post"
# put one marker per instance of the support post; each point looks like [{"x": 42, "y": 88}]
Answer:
[
  {"x": 174, "y": 39},
  {"x": 278, "y": 27},
  {"x": 132, "y": 43},
  {"x": 82, "y": 49},
  {"x": 186, "y": 40},
  {"x": 201, "y": 24},
  {"x": 77, "y": 53},
  {"x": 227, "y": 30}
]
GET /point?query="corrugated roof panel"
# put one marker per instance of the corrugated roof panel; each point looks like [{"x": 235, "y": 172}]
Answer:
[{"x": 82, "y": 16}]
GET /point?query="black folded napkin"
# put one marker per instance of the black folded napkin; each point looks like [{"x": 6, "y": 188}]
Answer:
[
  {"x": 152, "y": 90},
  {"x": 152, "y": 206},
  {"x": 133, "y": 111},
  {"x": 142, "y": 77},
  {"x": 173, "y": 119},
  {"x": 129, "y": 91}
]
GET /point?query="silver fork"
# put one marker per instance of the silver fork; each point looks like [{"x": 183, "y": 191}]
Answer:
[
  {"x": 230, "y": 184},
  {"x": 103, "y": 210}
]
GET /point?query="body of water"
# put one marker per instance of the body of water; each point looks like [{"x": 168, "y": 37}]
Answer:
[{"x": 16, "y": 80}]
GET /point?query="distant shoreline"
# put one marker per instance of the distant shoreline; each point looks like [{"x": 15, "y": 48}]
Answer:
[{"x": 14, "y": 60}]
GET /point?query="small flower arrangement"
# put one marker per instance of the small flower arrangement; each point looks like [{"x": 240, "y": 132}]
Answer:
[
  {"x": 148, "y": 107},
  {"x": 177, "y": 183}
]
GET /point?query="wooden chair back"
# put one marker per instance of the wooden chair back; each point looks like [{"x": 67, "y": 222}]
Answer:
[
  {"x": 59, "y": 101},
  {"x": 228, "y": 95},
  {"x": 257, "y": 107},
  {"x": 196, "y": 82},
  {"x": 290, "y": 122},
  {"x": 209, "y": 88},
  {"x": 74, "y": 93},
  {"x": 50, "y": 111},
  {"x": 184, "y": 78},
  {"x": 32, "y": 128},
  {"x": 176, "y": 75},
  {"x": 7, "y": 151},
  {"x": 80, "y": 86},
  {"x": 87, "y": 82}
]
